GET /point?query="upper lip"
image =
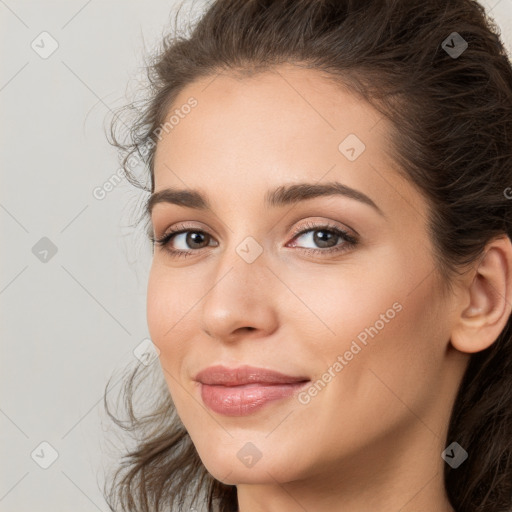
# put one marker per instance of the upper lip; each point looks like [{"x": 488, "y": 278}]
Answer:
[{"x": 221, "y": 376}]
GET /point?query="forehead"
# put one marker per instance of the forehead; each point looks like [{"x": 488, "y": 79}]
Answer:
[
  {"x": 245, "y": 135},
  {"x": 281, "y": 110}
]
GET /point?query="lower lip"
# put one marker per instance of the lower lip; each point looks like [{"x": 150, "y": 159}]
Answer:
[{"x": 244, "y": 400}]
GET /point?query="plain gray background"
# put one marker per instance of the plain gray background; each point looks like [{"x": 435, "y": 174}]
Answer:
[{"x": 72, "y": 318}]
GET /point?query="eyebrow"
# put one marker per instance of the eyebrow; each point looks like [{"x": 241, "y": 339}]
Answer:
[{"x": 278, "y": 197}]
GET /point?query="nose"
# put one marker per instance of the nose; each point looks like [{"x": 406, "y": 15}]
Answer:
[{"x": 241, "y": 299}]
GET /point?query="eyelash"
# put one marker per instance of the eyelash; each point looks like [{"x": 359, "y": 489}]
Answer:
[{"x": 350, "y": 241}]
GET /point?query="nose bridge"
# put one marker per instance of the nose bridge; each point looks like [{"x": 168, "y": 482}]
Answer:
[
  {"x": 241, "y": 268},
  {"x": 238, "y": 295}
]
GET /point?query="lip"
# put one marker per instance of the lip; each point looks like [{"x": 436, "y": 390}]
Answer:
[
  {"x": 246, "y": 389},
  {"x": 221, "y": 376}
]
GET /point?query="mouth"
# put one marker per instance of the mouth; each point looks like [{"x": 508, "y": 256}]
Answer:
[{"x": 244, "y": 390}]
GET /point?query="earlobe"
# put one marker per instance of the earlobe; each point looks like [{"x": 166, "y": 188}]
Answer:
[{"x": 490, "y": 300}]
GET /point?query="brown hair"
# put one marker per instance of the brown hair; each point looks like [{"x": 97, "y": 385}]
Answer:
[{"x": 452, "y": 137}]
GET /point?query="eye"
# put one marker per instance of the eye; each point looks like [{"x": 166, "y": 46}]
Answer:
[
  {"x": 181, "y": 235},
  {"x": 326, "y": 237}
]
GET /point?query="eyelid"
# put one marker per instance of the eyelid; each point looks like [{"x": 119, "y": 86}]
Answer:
[
  {"x": 182, "y": 226},
  {"x": 310, "y": 223},
  {"x": 317, "y": 223}
]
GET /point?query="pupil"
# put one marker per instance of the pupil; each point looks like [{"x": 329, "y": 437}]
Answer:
[
  {"x": 320, "y": 239},
  {"x": 191, "y": 238}
]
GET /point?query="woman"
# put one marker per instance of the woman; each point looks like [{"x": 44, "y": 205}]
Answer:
[{"x": 331, "y": 287}]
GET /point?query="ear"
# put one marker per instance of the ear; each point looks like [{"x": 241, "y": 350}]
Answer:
[{"x": 489, "y": 293}]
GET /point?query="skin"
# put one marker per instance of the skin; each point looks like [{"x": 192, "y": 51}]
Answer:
[{"x": 372, "y": 438}]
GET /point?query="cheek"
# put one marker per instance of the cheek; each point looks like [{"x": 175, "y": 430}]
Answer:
[
  {"x": 362, "y": 294},
  {"x": 401, "y": 338},
  {"x": 386, "y": 324},
  {"x": 155, "y": 307},
  {"x": 166, "y": 320},
  {"x": 166, "y": 314},
  {"x": 390, "y": 342}
]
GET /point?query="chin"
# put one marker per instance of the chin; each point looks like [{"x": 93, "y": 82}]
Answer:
[{"x": 264, "y": 471}]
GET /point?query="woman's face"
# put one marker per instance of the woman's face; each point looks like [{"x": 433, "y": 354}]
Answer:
[{"x": 364, "y": 321}]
